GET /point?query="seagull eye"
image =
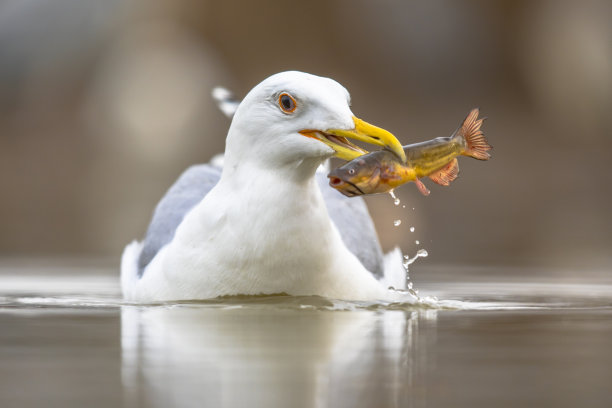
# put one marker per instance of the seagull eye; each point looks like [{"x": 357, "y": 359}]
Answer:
[{"x": 287, "y": 103}]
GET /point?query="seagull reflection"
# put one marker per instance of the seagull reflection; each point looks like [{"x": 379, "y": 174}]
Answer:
[{"x": 271, "y": 356}]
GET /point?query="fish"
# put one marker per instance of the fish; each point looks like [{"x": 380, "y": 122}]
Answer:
[{"x": 382, "y": 171}]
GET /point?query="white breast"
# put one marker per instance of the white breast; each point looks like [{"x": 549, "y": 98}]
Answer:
[{"x": 264, "y": 234}]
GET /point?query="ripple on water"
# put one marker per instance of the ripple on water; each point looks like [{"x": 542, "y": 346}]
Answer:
[
  {"x": 319, "y": 303},
  {"x": 440, "y": 296}
]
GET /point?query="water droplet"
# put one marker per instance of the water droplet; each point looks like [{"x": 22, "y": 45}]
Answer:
[
  {"x": 404, "y": 206},
  {"x": 422, "y": 253},
  {"x": 397, "y": 222},
  {"x": 412, "y": 208},
  {"x": 417, "y": 242},
  {"x": 411, "y": 229},
  {"x": 396, "y": 200}
]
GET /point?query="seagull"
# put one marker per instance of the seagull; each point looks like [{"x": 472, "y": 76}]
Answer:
[{"x": 261, "y": 219}]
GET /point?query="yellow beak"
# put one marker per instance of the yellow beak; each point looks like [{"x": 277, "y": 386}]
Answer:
[{"x": 363, "y": 131}]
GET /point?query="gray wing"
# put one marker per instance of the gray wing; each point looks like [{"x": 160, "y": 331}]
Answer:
[
  {"x": 185, "y": 193},
  {"x": 351, "y": 217}
]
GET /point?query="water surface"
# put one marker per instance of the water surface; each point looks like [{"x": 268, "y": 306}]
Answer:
[{"x": 67, "y": 339}]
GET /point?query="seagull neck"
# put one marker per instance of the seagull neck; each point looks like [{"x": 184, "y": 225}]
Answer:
[
  {"x": 297, "y": 171},
  {"x": 289, "y": 190}
]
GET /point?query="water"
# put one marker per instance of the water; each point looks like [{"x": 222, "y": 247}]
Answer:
[
  {"x": 502, "y": 338},
  {"x": 396, "y": 201},
  {"x": 421, "y": 253}
]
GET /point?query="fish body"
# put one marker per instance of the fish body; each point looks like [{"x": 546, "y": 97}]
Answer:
[{"x": 382, "y": 171}]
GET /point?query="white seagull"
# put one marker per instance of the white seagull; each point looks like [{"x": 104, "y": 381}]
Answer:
[{"x": 265, "y": 221}]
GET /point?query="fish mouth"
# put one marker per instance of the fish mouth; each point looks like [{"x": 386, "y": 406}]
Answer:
[
  {"x": 345, "y": 187},
  {"x": 337, "y": 139}
]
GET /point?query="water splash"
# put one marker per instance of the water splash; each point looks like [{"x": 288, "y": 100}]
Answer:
[
  {"x": 421, "y": 253},
  {"x": 396, "y": 200}
]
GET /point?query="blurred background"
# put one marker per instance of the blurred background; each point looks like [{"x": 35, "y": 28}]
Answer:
[{"x": 104, "y": 104}]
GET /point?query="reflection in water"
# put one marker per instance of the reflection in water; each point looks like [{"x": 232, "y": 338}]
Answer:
[
  {"x": 189, "y": 355},
  {"x": 513, "y": 343}
]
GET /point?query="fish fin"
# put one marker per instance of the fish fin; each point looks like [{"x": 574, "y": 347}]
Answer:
[
  {"x": 421, "y": 187},
  {"x": 446, "y": 174},
  {"x": 476, "y": 144}
]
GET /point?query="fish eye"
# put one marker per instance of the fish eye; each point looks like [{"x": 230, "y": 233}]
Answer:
[
  {"x": 351, "y": 171},
  {"x": 287, "y": 103}
]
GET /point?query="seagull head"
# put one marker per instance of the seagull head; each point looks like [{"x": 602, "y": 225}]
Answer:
[{"x": 293, "y": 117}]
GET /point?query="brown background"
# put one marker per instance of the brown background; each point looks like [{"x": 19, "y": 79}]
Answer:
[{"x": 103, "y": 104}]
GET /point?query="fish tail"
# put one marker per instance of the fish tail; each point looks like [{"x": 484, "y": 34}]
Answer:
[{"x": 476, "y": 144}]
